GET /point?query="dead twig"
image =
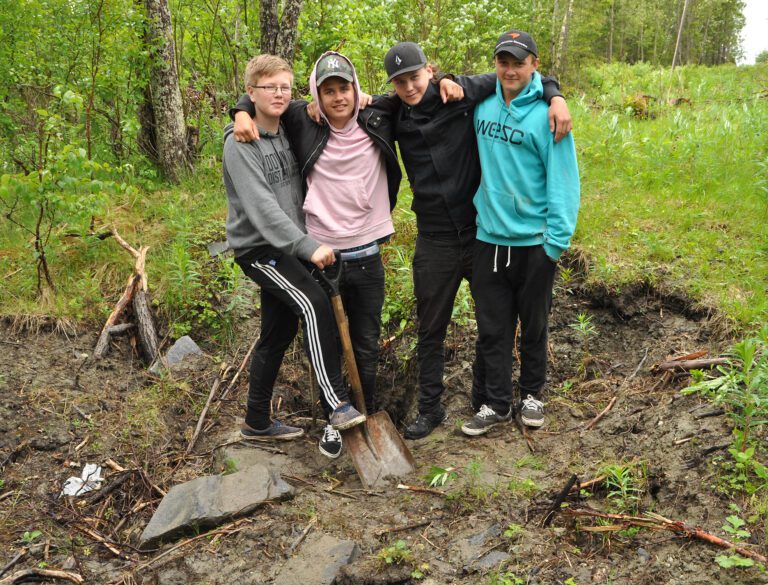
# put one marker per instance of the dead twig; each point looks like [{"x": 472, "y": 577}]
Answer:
[
  {"x": 559, "y": 499},
  {"x": 402, "y": 528},
  {"x": 524, "y": 431},
  {"x": 21, "y": 554},
  {"x": 100, "y": 539},
  {"x": 303, "y": 535},
  {"x": 214, "y": 388},
  {"x": 587, "y": 484},
  {"x": 413, "y": 488},
  {"x": 233, "y": 381},
  {"x": 602, "y": 413},
  {"x": 37, "y": 574}
]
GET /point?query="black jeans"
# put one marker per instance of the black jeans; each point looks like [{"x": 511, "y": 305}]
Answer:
[
  {"x": 440, "y": 262},
  {"x": 512, "y": 283},
  {"x": 289, "y": 293},
  {"x": 362, "y": 292}
]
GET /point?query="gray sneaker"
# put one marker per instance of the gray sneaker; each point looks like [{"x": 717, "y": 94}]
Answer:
[
  {"x": 532, "y": 412},
  {"x": 485, "y": 419},
  {"x": 277, "y": 431},
  {"x": 345, "y": 417}
]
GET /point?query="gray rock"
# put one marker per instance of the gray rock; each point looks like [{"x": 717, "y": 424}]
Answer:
[
  {"x": 208, "y": 501},
  {"x": 318, "y": 561},
  {"x": 217, "y": 248},
  {"x": 492, "y": 560},
  {"x": 643, "y": 554},
  {"x": 50, "y": 438},
  {"x": 180, "y": 350},
  {"x": 471, "y": 547}
]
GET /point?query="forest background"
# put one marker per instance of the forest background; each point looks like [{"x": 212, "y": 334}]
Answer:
[{"x": 111, "y": 114}]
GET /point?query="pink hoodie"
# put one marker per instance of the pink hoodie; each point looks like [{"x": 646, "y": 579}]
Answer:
[{"x": 347, "y": 201}]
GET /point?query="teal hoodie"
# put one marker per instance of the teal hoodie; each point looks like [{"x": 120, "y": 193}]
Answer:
[{"x": 529, "y": 190}]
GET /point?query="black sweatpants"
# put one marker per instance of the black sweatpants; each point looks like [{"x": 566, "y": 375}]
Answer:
[
  {"x": 440, "y": 262},
  {"x": 362, "y": 292},
  {"x": 289, "y": 293},
  {"x": 511, "y": 283}
]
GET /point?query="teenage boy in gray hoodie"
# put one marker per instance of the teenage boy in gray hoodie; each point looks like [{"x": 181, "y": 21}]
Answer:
[{"x": 265, "y": 228}]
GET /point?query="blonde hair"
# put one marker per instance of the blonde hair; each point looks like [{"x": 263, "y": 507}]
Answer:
[{"x": 264, "y": 66}]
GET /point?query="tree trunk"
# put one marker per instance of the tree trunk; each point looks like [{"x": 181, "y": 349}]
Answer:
[
  {"x": 278, "y": 35},
  {"x": 679, "y": 34},
  {"x": 166, "y": 140},
  {"x": 610, "y": 35},
  {"x": 558, "y": 64}
]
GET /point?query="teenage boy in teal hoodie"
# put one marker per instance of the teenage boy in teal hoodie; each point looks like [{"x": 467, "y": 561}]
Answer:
[{"x": 527, "y": 205}]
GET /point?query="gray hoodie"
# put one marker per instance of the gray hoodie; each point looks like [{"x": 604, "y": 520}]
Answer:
[{"x": 264, "y": 194}]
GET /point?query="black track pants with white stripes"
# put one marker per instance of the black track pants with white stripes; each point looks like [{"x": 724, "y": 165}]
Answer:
[{"x": 289, "y": 293}]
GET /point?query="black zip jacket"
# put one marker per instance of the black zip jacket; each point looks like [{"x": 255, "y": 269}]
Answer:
[
  {"x": 439, "y": 150},
  {"x": 308, "y": 139}
]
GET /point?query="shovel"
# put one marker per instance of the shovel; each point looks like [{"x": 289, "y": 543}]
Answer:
[{"x": 376, "y": 448}]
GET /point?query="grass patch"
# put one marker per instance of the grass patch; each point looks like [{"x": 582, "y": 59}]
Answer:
[{"x": 678, "y": 198}]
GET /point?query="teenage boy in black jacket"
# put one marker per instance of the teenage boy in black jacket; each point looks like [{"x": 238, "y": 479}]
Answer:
[{"x": 439, "y": 150}]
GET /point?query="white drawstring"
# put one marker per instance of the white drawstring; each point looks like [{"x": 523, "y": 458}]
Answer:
[
  {"x": 509, "y": 256},
  {"x": 495, "y": 256}
]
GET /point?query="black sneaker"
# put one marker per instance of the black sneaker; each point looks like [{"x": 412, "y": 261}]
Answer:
[
  {"x": 425, "y": 424},
  {"x": 277, "y": 431},
  {"x": 345, "y": 417},
  {"x": 532, "y": 412},
  {"x": 485, "y": 419},
  {"x": 330, "y": 442}
]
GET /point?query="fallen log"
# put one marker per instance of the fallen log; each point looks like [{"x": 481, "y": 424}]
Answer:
[{"x": 686, "y": 365}]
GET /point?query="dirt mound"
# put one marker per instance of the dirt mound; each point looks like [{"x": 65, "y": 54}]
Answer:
[{"x": 60, "y": 410}]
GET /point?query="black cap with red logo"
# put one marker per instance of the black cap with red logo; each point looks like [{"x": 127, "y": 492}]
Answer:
[{"x": 516, "y": 42}]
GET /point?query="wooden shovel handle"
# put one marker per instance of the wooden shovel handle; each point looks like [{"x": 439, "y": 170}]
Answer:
[{"x": 349, "y": 355}]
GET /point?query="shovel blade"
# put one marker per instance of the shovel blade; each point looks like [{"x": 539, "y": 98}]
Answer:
[{"x": 378, "y": 451}]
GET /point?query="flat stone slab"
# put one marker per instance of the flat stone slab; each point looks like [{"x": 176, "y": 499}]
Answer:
[
  {"x": 318, "y": 561},
  {"x": 212, "y": 500}
]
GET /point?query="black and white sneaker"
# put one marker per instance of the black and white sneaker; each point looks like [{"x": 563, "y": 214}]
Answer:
[
  {"x": 532, "y": 412},
  {"x": 485, "y": 419},
  {"x": 330, "y": 442}
]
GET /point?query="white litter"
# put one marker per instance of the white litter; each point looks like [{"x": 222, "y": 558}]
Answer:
[{"x": 90, "y": 479}]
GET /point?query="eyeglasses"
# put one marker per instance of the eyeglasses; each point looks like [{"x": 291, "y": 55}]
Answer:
[{"x": 273, "y": 89}]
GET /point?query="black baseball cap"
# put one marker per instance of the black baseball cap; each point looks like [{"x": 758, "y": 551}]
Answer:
[
  {"x": 333, "y": 65},
  {"x": 404, "y": 58},
  {"x": 516, "y": 42}
]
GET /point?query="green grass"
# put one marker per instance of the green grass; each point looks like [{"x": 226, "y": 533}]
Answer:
[{"x": 679, "y": 199}]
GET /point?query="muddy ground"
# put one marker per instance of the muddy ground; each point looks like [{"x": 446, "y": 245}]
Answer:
[{"x": 59, "y": 409}]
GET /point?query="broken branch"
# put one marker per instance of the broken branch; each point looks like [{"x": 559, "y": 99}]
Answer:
[
  {"x": 686, "y": 365},
  {"x": 35, "y": 574}
]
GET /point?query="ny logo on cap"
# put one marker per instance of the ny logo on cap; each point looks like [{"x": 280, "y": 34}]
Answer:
[
  {"x": 333, "y": 63},
  {"x": 398, "y": 60}
]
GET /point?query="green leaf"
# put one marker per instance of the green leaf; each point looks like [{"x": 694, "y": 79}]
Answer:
[{"x": 729, "y": 562}]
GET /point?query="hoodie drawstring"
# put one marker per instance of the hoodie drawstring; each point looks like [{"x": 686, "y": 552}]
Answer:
[{"x": 496, "y": 258}]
